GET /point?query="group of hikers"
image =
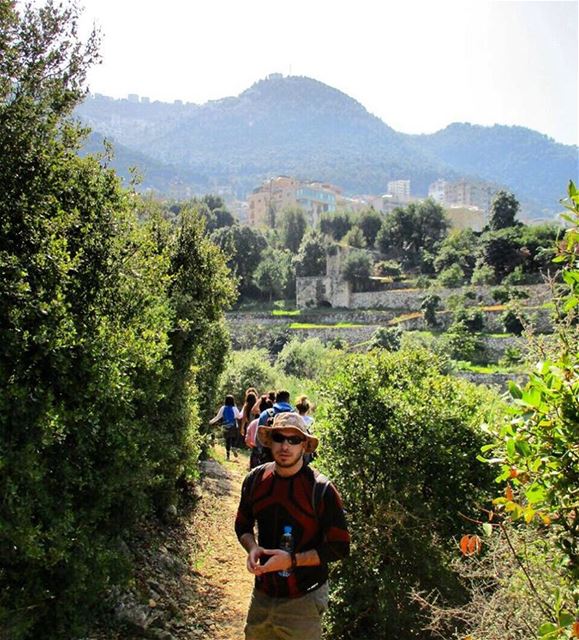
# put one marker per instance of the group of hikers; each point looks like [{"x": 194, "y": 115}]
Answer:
[
  {"x": 301, "y": 523},
  {"x": 240, "y": 426}
]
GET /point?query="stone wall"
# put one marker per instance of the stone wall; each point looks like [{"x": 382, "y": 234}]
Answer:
[
  {"x": 498, "y": 381},
  {"x": 539, "y": 320},
  {"x": 322, "y": 291},
  {"x": 334, "y": 292},
  {"x": 411, "y": 299}
]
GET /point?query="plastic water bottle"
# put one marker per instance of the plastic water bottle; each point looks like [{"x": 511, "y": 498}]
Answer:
[{"x": 287, "y": 544}]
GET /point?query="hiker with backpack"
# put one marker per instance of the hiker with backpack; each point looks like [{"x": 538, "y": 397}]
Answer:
[
  {"x": 287, "y": 498},
  {"x": 282, "y": 404},
  {"x": 257, "y": 451},
  {"x": 229, "y": 414}
]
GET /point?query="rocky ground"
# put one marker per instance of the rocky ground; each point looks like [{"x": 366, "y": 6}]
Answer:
[{"x": 191, "y": 581}]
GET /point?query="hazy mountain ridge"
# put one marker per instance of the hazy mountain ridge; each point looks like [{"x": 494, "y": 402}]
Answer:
[{"x": 299, "y": 126}]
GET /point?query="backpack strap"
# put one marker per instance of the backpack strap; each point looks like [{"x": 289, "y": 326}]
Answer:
[
  {"x": 321, "y": 484},
  {"x": 254, "y": 474}
]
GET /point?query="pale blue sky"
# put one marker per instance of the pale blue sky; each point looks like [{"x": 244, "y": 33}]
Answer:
[{"x": 417, "y": 64}]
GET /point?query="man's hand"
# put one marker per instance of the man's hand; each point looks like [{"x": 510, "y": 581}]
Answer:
[
  {"x": 253, "y": 557},
  {"x": 279, "y": 561}
]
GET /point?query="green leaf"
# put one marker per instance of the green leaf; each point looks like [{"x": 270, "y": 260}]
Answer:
[
  {"x": 487, "y": 529},
  {"x": 547, "y": 629},
  {"x": 566, "y": 619},
  {"x": 515, "y": 390}
]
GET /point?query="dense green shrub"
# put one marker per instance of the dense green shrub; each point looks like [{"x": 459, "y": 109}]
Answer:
[
  {"x": 483, "y": 274},
  {"x": 471, "y": 318},
  {"x": 429, "y": 306},
  {"x": 387, "y": 268},
  {"x": 513, "y": 321},
  {"x": 400, "y": 441},
  {"x": 250, "y": 368},
  {"x": 535, "y": 457},
  {"x": 461, "y": 344},
  {"x": 103, "y": 321},
  {"x": 386, "y": 338},
  {"x": 304, "y": 358},
  {"x": 516, "y": 277},
  {"x": 357, "y": 268},
  {"x": 452, "y": 276}
]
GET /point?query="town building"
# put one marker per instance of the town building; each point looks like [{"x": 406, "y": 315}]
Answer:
[
  {"x": 462, "y": 217},
  {"x": 463, "y": 193},
  {"x": 283, "y": 192},
  {"x": 399, "y": 190},
  {"x": 437, "y": 191}
]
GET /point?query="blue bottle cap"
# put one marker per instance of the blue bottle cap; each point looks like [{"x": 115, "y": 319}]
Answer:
[{"x": 287, "y": 529}]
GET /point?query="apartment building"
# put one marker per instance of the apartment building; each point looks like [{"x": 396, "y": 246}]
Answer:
[
  {"x": 277, "y": 194},
  {"x": 437, "y": 191},
  {"x": 462, "y": 193},
  {"x": 399, "y": 190}
]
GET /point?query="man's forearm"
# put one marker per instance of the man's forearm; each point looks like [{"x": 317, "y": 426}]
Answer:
[
  {"x": 307, "y": 558},
  {"x": 248, "y": 542}
]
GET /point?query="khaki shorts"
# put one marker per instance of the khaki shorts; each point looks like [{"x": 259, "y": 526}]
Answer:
[{"x": 286, "y": 618}]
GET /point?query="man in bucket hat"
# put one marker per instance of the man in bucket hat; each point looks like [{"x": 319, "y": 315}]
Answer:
[{"x": 291, "y": 591}]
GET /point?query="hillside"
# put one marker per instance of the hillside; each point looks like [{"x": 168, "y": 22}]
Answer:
[
  {"x": 299, "y": 126},
  {"x": 529, "y": 162}
]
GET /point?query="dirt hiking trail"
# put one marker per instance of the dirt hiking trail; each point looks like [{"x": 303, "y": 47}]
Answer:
[{"x": 191, "y": 580}]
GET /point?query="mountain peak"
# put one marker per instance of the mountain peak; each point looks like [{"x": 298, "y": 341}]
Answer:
[{"x": 302, "y": 91}]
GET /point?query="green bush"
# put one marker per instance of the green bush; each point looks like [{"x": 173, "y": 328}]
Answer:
[
  {"x": 513, "y": 322},
  {"x": 386, "y": 338},
  {"x": 303, "y": 359},
  {"x": 452, "y": 277},
  {"x": 108, "y": 329},
  {"x": 462, "y": 344},
  {"x": 516, "y": 277},
  {"x": 399, "y": 439},
  {"x": 429, "y": 306},
  {"x": 471, "y": 318},
  {"x": 483, "y": 274},
  {"x": 387, "y": 268},
  {"x": 250, "y": 368}
]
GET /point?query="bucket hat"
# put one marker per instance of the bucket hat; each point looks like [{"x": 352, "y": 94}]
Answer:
[{"x": 287, "y": 421}]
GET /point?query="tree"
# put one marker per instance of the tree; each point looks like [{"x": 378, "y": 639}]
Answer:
[
  {"x": 458, "y": 248},
  {"x": 105, "y": 326},
  {"x": 355, "y": 238},
  {"x": 311, "y": 258},
  {"x": 429, "y": 307},
  {"x": 410, "y": 234},
  {"x": 273, "y": 273},
  {"x": 503, "y": 211},
  {"x": 452, "y": 276},
  {"x": 501, "y": 250},
  {"x": 370, "y": 222},
  {"x": 388, "y": 338},
  {"x": 336, "y": 224},
  {"x": 404, "y": 484},
  {"x": 292, "y": 226},
  {"x": 535, "y": 449},
  {"x": 539, "y": 246},
  {"x": 243, "y": 248},
  {"x": 357, "y": 268}
]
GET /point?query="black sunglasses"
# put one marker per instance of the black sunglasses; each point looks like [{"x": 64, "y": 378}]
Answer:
[{"x": 279, "y": 438}]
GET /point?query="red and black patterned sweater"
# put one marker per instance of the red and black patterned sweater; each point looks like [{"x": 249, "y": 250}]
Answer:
[{"x": 275, "y": 502}]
